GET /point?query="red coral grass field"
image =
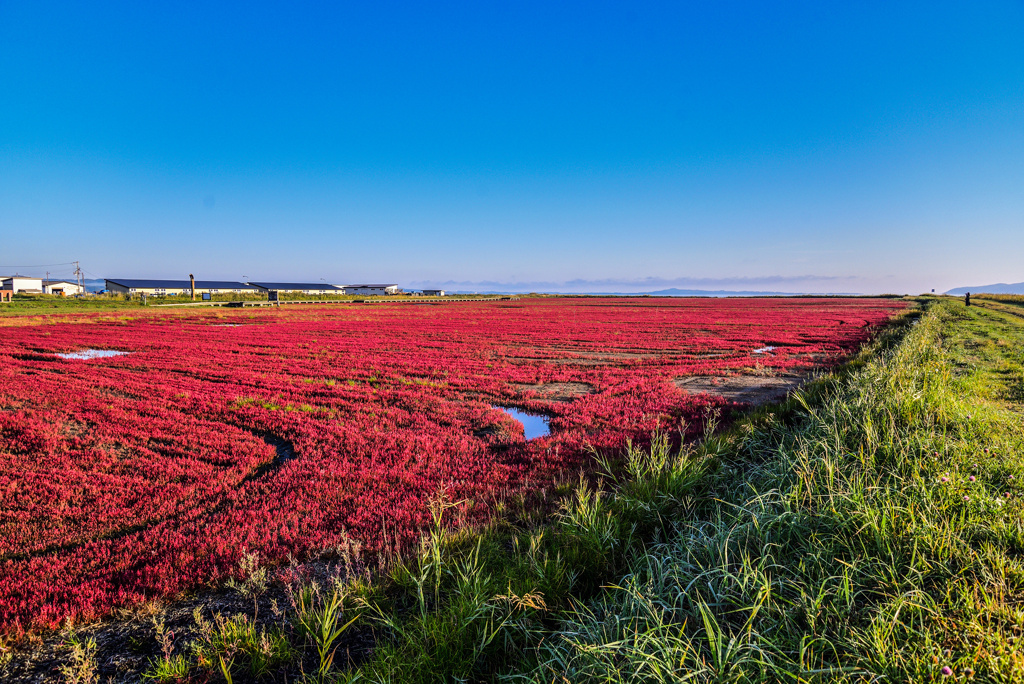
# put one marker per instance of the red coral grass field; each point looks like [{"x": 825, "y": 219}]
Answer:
[{"x": 279, "y": 431}]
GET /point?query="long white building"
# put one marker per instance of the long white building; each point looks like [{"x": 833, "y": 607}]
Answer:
[
  {"x": 170, "y": 288},
  {"x": 304, "y": 288},
  {"x": 384, "y": 289}
]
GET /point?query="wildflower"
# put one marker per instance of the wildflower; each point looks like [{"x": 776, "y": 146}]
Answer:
[
  {"x": 943, "y": 479},
  {"x": 971, "y": 478},
  {"x": 946, "y": 671},
  {"x": 966, "y": 498},
  {"x": 986, "y": 451}
]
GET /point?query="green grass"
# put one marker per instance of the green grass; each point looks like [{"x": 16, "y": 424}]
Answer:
[
  {"x": 23, "y": 304},
  {"x": 1017, "y": 300},
  {"x": 868, "y": 529},
  {"x": 51, "y": 304}
]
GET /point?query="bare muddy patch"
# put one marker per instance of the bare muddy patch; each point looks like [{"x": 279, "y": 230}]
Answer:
[
  {"x": 557, "y": 391},
  {"x": 744, "y": 389}
]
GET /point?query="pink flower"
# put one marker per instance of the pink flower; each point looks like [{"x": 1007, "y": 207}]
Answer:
[
  {"x": 971, "y": 478},
  {"x": 946, "y": 671},
  {"x": 943, "y": 479},
  {"x": 966, "y": 498}
]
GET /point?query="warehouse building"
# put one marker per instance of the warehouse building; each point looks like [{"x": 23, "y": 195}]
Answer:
[
  {"x": 65, "y": 288},
  {"x": 304, "y": 288},
  {"x": 20, "y": 283},
  {"x": 369, "y": 289},
  {"x": 170, "y": 288},
  {"x": 433, "y": 293}
]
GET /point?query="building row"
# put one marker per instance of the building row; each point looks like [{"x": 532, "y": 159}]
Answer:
[
  {"x": 10, "y": 285},
  {"x": 170, "y": 288}
]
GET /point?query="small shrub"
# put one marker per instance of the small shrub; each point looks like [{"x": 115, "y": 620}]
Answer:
[{"x": 255, "y": 577}]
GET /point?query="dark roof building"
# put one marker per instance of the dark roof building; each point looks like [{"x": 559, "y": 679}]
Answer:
[{"x": 162, "y": 286}]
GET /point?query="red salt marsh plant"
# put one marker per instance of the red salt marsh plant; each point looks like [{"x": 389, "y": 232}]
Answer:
[{"x": 152, "y": 472}]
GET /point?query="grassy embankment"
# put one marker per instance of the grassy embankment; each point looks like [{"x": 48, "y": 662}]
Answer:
[{"x": 869, "y": 529}]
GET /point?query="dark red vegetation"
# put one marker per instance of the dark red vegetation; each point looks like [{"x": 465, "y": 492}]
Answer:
[{"x": 146, "y": 474}]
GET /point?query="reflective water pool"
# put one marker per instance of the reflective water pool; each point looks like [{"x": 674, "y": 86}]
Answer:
[
  {"x": 533, "y": 426},
  {"x": 86, "y": 354}
]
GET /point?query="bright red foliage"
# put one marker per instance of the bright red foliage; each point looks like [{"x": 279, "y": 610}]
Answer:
[{"x": 150, "y": 473}]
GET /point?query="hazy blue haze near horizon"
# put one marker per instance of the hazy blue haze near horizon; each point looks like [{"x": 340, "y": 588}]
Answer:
[{"x": 868, "y": 147}]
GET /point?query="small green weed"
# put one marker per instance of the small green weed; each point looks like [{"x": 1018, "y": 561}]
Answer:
[
  {"x": 238, "y": 643},
  {"x": 82, "y": 667}
]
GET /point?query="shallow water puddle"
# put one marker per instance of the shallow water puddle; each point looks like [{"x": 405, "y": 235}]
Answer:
[
  {"x": 763, "y": 350},
  {"x": 533, "y": 426},
  {"x": 87, "y": 354}
]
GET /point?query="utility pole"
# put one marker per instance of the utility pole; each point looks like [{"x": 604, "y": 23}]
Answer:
[
  {"x": 46, "y": 282},
  {"x": 79, "y": 277},
  {"x": 192, "y": 278}
]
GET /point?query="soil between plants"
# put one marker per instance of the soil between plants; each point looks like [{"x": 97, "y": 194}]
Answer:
[
  {"x": 743, "y": 389},
  {"x": 127, "y": 644}
]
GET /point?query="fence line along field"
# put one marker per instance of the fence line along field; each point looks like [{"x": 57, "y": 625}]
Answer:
[{"x": 279, "y": 432}]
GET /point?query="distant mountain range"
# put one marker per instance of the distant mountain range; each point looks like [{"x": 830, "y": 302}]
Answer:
[
  {"x": 998, "y": 288},
  {"x": 676, "y": 292}
]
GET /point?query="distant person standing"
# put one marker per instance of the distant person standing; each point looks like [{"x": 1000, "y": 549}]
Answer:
[{"x": 967, "y": 299}]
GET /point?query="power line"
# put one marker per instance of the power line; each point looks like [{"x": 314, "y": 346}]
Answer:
[{"x": 65, "y": 263}]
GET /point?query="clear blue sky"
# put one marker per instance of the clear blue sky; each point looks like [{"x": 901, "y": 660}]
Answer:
[{"x": 788, "y": 146}]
